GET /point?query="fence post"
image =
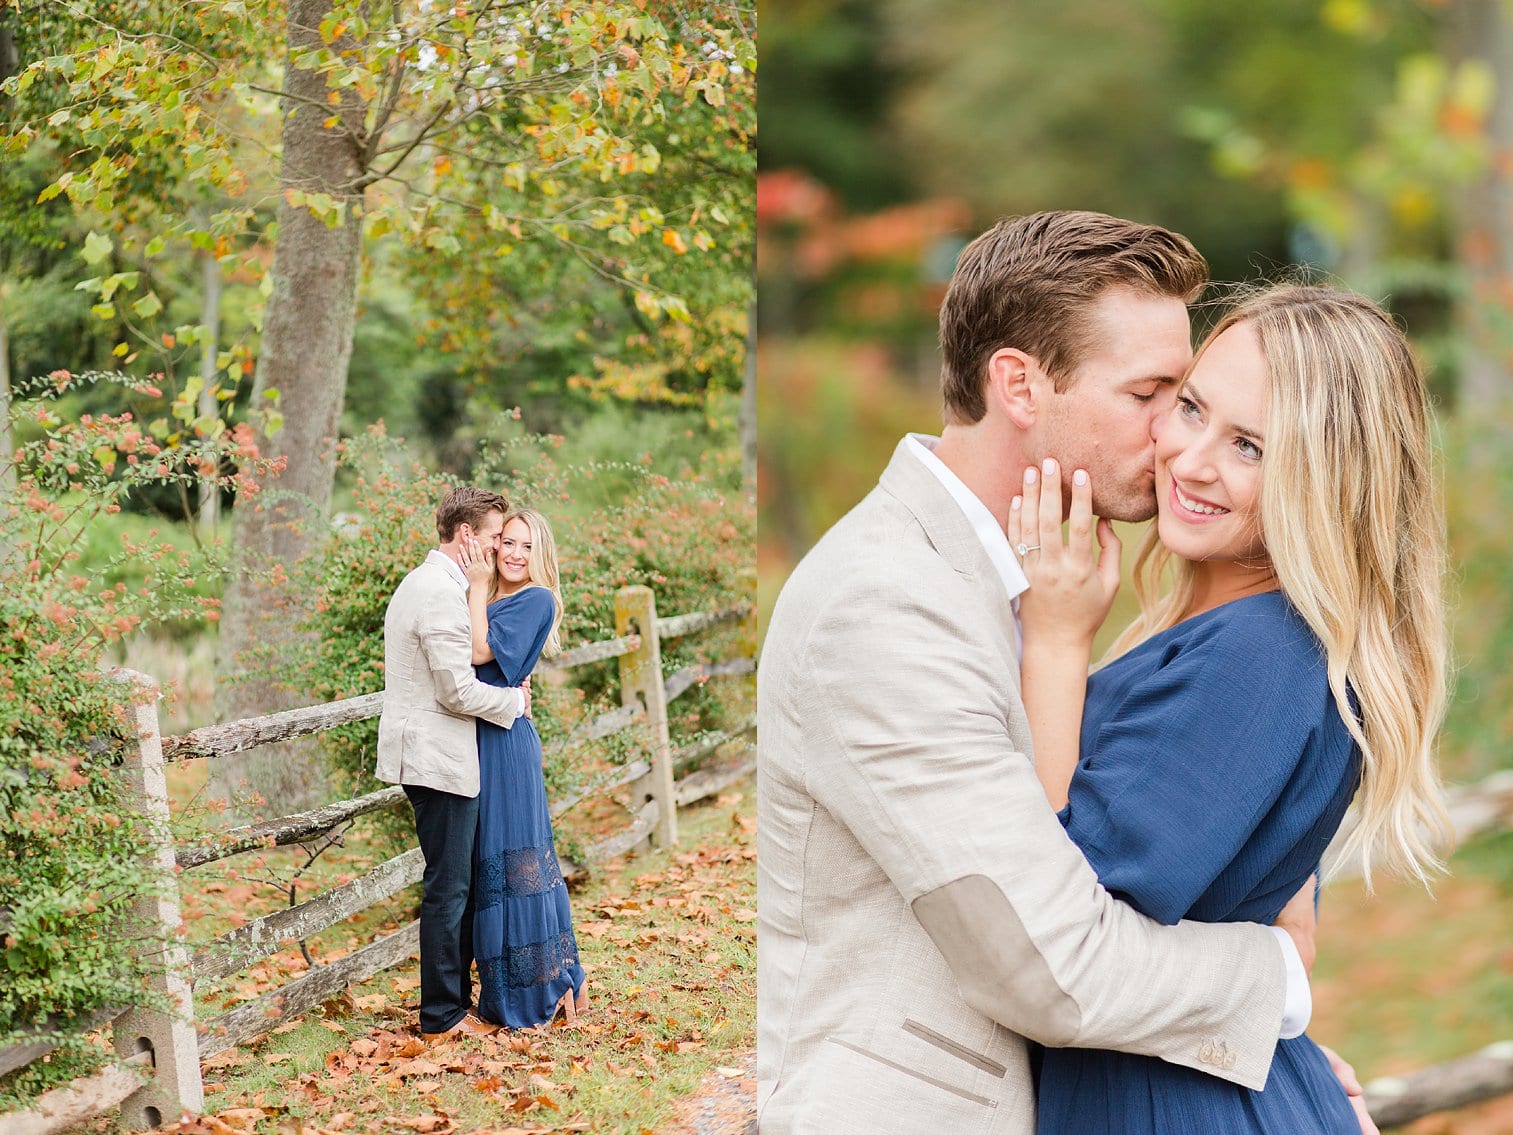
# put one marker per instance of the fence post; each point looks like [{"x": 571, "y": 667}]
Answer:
[
  {"x": 169, "y": 1037},
  {"x": 641, "y": 686}
]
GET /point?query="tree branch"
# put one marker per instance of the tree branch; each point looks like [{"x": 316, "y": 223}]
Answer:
[
  {"x": 420, "y": 136},
  {"x": 83, "y": 14},
  {"x": 390, "y": 100}
]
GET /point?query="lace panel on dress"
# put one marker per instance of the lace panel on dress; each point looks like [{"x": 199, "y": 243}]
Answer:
[
  {"x": 538, "y": 963},
  {"x": 515, "y": 872}
]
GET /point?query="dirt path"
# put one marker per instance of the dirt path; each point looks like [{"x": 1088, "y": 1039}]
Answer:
[{"x": 724, "y": 1105}]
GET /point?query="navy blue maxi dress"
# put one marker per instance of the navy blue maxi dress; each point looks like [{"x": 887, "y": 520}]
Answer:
[
  {"x": 522, "y": 925},
  {"x": 1214, "y": 769}
]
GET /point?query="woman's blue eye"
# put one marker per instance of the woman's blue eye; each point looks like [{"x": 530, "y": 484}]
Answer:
[
  {"x": 1187, "y": 405},
  {"x": 1249, "y": 448}
]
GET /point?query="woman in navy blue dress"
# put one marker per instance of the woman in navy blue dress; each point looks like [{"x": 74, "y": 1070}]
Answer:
[
  {"x": 523, "y": 938},
  {"x": 1297, "y": 661}
]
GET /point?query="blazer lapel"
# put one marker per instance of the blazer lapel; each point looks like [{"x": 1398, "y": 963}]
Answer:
[{"x": 908, "y": 481}]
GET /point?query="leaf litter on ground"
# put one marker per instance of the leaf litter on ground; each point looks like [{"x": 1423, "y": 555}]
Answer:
[{"x": 668, "y": 941}]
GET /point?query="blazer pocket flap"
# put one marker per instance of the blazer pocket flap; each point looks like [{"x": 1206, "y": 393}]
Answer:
[
  {"x": 439, "y": 714},
  {"x": 955, "y": 1048},
  {"x": 858, "y": 1092}
]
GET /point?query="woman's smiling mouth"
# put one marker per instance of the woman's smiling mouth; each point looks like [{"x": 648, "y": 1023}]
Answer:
[{"x": 1193, "y": 507}]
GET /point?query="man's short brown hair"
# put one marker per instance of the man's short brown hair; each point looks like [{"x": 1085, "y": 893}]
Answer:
[
  {"x": 467, "y": 505},
  {"x": 1028, "y": 282}
]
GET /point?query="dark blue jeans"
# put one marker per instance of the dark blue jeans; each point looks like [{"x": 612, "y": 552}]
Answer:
[{"x": 445, "y": 825}]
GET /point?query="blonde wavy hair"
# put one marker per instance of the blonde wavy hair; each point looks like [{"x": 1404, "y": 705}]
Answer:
[
  {"x": 542, "y": 568},
  {"x": 1351, "y": 520}
]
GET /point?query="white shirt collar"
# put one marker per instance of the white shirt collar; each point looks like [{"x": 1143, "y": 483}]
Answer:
[
  {"x": 994, "y": 541},
  {"x": 437, "y": 556}
]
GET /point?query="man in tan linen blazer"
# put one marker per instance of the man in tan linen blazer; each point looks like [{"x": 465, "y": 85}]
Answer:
[
  {"x": 921, "y": 910},
  {"x": 428, "y": 742},
  {"x": 428, "y": 732}
]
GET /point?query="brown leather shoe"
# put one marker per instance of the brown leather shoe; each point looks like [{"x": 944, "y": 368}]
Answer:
[
  {"x": 570, "y": 1007},
  {"x": 470, "y": 1025}
]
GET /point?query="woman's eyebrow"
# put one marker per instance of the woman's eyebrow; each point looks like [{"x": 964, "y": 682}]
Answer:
[{"x": 1254, "y": 435}]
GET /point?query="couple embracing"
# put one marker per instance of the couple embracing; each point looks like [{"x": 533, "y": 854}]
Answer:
[
  {"x": 462, "y": 634},
  {"x": 997, "y": 894}
]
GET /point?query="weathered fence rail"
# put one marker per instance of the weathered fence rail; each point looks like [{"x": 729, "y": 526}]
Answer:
[
  {"x": 158, "y": 1074},
  {"x": 1482, "y": 806},
  {"x": 1396, "y": 1100},
  {"x": 81, "y": 1100}
]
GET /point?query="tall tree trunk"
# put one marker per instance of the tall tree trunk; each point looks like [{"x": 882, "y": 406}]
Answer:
[
  {"x": 306, "y": 346},
  {"x": 1483, "y": 31}
]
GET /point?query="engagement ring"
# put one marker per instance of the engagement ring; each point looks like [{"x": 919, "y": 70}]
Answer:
[{"x": 1026, "y": 549}]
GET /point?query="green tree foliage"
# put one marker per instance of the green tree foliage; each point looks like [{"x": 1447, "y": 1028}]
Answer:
[
  {"x": 471, "y": 136},
  {"x": 569, "y": 188},
  {"x": 1146, "y": 109},
  {"x": 1369, "y": 187},
  {"x": 618, "y": 135},
  {"x": 828, "y": 85},
  {"x": 95, "y": 283},
  {"x": 588, "y": 308}
]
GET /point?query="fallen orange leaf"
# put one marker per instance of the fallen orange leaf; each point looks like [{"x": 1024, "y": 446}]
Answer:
[{"x": 425, "y": 1124}]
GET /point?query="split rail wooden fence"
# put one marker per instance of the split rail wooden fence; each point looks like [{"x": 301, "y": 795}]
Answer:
[{"x": 157, "y": 1075}]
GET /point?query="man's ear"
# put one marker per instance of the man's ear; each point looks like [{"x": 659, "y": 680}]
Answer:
[{"x": 1012, "y": 388}]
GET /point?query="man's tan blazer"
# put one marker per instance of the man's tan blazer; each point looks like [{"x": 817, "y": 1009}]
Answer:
[
  {"x": 920, "y": 909},
  {"x": 428, "y": 734}
]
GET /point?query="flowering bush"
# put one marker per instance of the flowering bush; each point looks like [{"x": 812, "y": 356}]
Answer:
[
  {"x": 71, "y": 841},
  {"x": 681, "y": 535}
]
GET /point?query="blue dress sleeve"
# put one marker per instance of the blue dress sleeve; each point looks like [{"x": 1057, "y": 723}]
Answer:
[
  {"x": 518, "y": 629},
  {"x": 1179, "y": 777}
]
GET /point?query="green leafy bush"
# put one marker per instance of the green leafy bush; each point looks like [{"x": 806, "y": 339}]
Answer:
[{"x": 71, "y": 841}]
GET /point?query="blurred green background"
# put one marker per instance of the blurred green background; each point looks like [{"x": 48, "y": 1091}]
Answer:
[{"x": 1365, "y": 140}]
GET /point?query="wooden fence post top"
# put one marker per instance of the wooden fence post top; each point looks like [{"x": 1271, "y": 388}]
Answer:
[
  {"x": 145, "y": 682},
  {"x": 636, "y": 602}
]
